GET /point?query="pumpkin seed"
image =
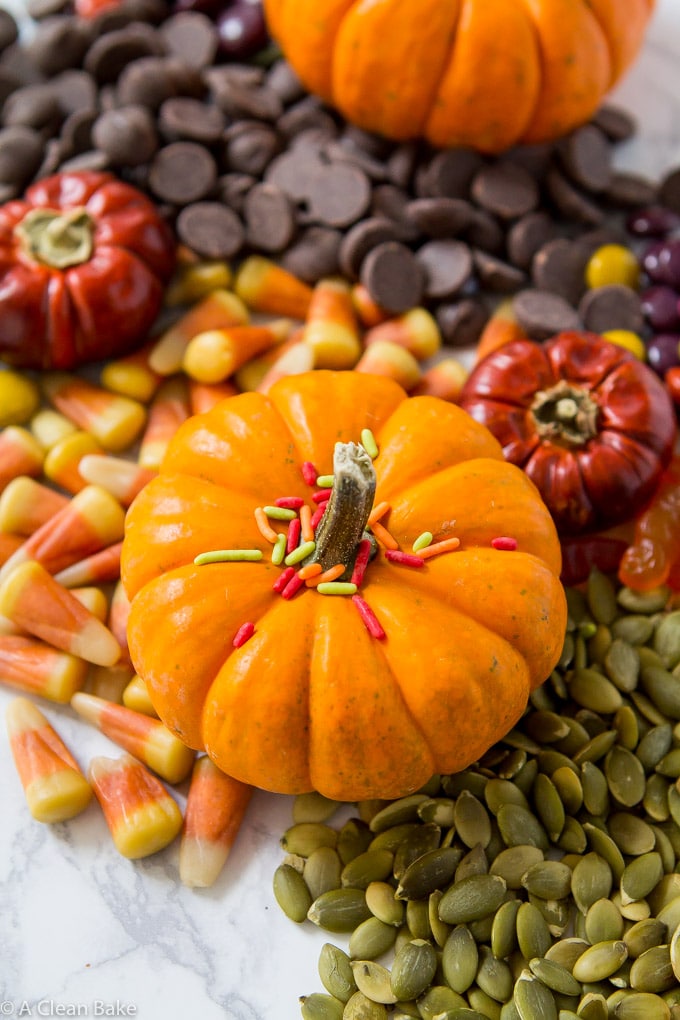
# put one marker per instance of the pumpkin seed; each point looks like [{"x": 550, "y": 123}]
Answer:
[
  {"x": 603, "y": 922},
  {"x": 504, "y": 929},
  {"x": 667, "y": 639},
  {"x": 674, "y": 952},
  {"x": 640, "y": 876},
  {"x": 397, "y": 812},
  {"x": 360, "y": 1007},
  {"x": 494, "y": 976},
  {"x": 473, "y": 863},
  {"x": 322, "y": 870},
  {"x": 413, "y": 969},
  {"x": 472, "y": 898},
  {"x": 555, "y": 913},
  {"x": 670, "y": 914},
  {"x": 533, "y": 934},
  {"x": 573, "y": 838},
  {"x": 513, "y": 863},
  {"x": 392, "y": 837},
  {"x": 634, "y": 628},
  {"x": 339, "y": 910},
  {"x": 594, "y": 691},
  {"x": 460, "y": 959},
  {"x": 652, "y": 971},
  {"x": 631, "y": 834},
  {"x": 595, "y": 789},
  {"x": 635, "y": 911},
  {"x": 669, "y": 765},
  {"x": 383, "y": 904},
  {"x": 335, "y": 971},
  {"x": 600, "y": 961},
  {"x": 440, "y": 930},
  {"x": 471, "y": 820},
  {"x": 313, "y": 807},
  {"x": 555, "y": 977},
  {"x": 663, "y": 689},
  {"x": 567, "y": 951},
  {"x": 655, "y": 743},
  {"x": 644, "y": 935},
  {"x": 598, "y": 644},
  {"x": 438, "y": 810},
  {"x": 418, "y": 918},
  {"x": 373, "y": 980},
  {"x": 548, "y": 879},
  {"x": 533, "y": 999},
  {"x": 652, "y": 601},
  {"x": 425, "y": 837},
  {"x": 674, "y": 803},
  {"x": 549, "y": 806},
  {"x": 370, "y": 866},
  {"x": 641, "y": 1006},
  {"x": 625, "y": 776},
  {"x": 291, "y": 892},
  {"x": 371, "y": 939},
  {"x": 627, "y": 726},
  {"x": 597, "y": 747},
  {"x": 593, "y": 1006},
  {"x": 438, "y": 999},
  {"x": 591, "y": 880},
  {"x": 549, "y": 760},
  {"x": 430, "y": 871},
  {"x": 318, "y": 1006},
  {"x": 601, "y": 597},
  {"x": 502, "y": 791},
  {"x": 519, "y": 826},
  {"x": 603, "y": 844},
  {"x": 646, "y": 708},
  {"x": 570, "y": 789},
  {"x": 305, "y": 837},
  {"x": 354, "y": 837},
  {"x": 622, "y": 663},
  {"x": 546, "y": 727}
]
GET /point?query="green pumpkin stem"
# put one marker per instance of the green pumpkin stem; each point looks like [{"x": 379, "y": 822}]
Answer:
[
  {"x": 342, "y": 526},
  {"x": 57, "y": 239}
]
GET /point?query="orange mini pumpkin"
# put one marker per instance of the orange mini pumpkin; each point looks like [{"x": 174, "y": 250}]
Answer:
[
  {"x": 480, "y": 73},
  {"x": 313, "y": 700}
]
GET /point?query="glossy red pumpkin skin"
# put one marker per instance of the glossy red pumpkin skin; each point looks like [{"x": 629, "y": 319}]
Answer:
[
  {"x": 54, "y": 318},
  {"x": 610, "y": 477}
]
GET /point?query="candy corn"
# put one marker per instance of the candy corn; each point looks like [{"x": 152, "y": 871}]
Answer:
[
  {"x": 62, "y": 461},
  {"x": 267, "y": 287},
  {"x": 416, "y": 330},
  {"x": 9, "y": 543},
  {"x": 114, "y": 421},
  {"x": 54, "y": 787},
  {"x": 369, "y": 313},
  {"x": 32, "y": 599},
  {"x": 19, "y": 398},
  {"x": 108, "y": 682},
  {"x": 132, "y": 376},
  {"x": 140, "y": 813},
  {"x": 215, "y": 354},
  {"x": 445, "y": 380},
  {"x": 502, "y": 328},
  {"x": 122, "y": 478},
  {"x": 99, "y": 568},
  {"x": 26, "y": 504},
  {"x": 146, "y": 738},
  {"x": 169, "y": 408},
  {"x": 296, "y": 359},
  {"x": 91, "y": 521},
  {"x": 385, "y": 358},
  {"x": 36, "y": 668},
  {"x": 204, "y": 396},
  {"x": 195, "y": 281},
  {"x": 20, "y": 454},
  {"x": 118, "y": 618},
  {"x": 250, "y": 375},
  {"x": 219, "y": 310},
  {"x": 216, "y": 805},
  {"x": 331, "y": 328},
  {"x": 136, "y": 696},
  {"x": 94, "y": 599},
  {"x": 49, "y": 427}
]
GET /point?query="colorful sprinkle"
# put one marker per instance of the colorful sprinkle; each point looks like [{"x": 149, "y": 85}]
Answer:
[
  {"x": 279, "y": 513},
  {"x": 404, "y": 559},
  {"x": 383, "y": 536},
  {"x": 309, "y": 473},
  {"x": 306, "y": 528},
  {"x": 228, "y": 556},
  {"x": 311, "y": 570},
  {"x": 504, "y": 542},
  {"x": 293, "y": 534},
  {"x": 299, "y": 554},
  {"x": 245, "y": 631},
  {"x": 336, "y": 588},
  {"x": 361, "y": 561},
  {"x": 321, "y": 495},
  {"x": 378, "y": 511},
  {"x": 369, "y": 444},
  {"x": 446, "y": 545},
  {"x": 283, "y": 579},
  {"x": 318, "y": 514},
  {"x": 279, "y": 550},
  {"x": 292, "y": 587},
  {"x": 290, "y": 502},
  {"x": 264, "y": 527},
  {"x": 422, "y": 541},
  {"x": 371, "y": 621},
  {"x": 325, "y": 481}
]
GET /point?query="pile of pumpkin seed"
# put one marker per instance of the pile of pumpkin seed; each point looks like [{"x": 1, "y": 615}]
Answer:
[{"x": 541, "y": 883}]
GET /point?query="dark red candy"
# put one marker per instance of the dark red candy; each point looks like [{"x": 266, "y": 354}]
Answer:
[
  {"x": 242, "y": 30},
  {"x": 660, "y": 308},
  {"x": 581, "y": 554},
  {"x": 652, "y": 221},
  {"x": 662, "y": 352}
]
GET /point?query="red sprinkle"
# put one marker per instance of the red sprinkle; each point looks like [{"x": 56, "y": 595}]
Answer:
[
  {"x": 369, "y": 618},
  {"x": 292, "y": 587},
  {"x": 290, "y": 502},
  {"x": 293, "y": 535},
  {"x": 504, "y": 542},
  {"x": 404, "y": 559},
  {"x": 309, "y": 473},
  {"x": 361, "y": 561},
  {"x": 283, "y": 579},
  {"x": 245, "y": 631},
  {"x": 321, "y": 495},
  {"x": 318, "y": 514}
]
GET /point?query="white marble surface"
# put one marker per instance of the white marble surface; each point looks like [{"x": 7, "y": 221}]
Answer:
[{"x": 84, "y": 932}]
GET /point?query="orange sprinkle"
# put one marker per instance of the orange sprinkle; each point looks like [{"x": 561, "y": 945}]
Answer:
[
  {"x": 383, "y": 536},
  {"x": 446, "y": 545},
  {"x": 332, "y": 574},
  {"x": 311, "y": 570},
  {"x": 306, "y": 523},
  {"x": 263, "y": 527},
  {"x": 378, "y": 512}
]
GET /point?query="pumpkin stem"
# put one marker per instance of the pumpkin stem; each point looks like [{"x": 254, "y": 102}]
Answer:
[
  {"x": 342, "y": 526},
  {"x": 57, "y": 239},
  {"x": 565, "y": 414}
]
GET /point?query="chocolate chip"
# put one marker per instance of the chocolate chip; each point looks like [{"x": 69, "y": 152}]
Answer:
[
  {"x": 628, "y": 189},
  {"x": 449, "y": 173},
  {"x": 76, "y": 132},
  {"x": 237, "y": 100},
  {"x": 339, "y": 151},
  {"x": 559, "y": 267},
  {"x": 447, "y": 265},
  {"x": 617, "y": 124},
  {"x": 571, "y": 202},
  {"x": 282, "y": 79},
  {"x": 233, "y": 188},
  {"x": 392, "y": 203},
  {"x": 461, "y": 322},
  {"x": 182, "y": 172},
  {"x": 306, "y": 113},
  {"x": 586, "y": 156},
  {"x": 669, "y": 191},
  {"x": 251, "y": 149},
  {"x": 360, "y": 239},
  {"x": 401, "y": 164},
  {"x": 15, "y": 62},
  {"x": 182, "y": 117},
  {"x": 496, "y": 274},
  {"x": 485, "y": 232},
  {"x": 535, "y": 159},
  {"x": 33, "y": 106},
  {"x": 52, "y": 159},
  {"x": 146, "y": 82},
  {"x": 127, "y": 135},
  {"x": 38, "y": 9},
  {"x": 440, "y": 217},
  {"x": 611, "y": 307},
  {"x": 74, "y": 90},
  {"x": 527, "y": 236},
  {"x": 269, "y": 217},
  {"x": 393, "y": 277},
  {"x": 191, "y": 36},
  {"x": 292, "y": 172},
  {"x": 541, "y": 313},
  {"x": 9, "y": 30},
  {"x": 339, "y": 195},
  {"x": 110, "y": 54},
  {"x": 58, "y": 43},
  {"x": 314, "y": 255},
  {"x": 20, "y": 155},
  {"x": 211, "y": 230},
  {"x": 505, "y": 189},
  {"x": 93, "y": 159}
]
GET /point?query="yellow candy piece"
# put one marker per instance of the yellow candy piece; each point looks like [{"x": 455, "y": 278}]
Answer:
[
  {"x": 19, "y": 398},
  {"x": 613, "y": 264},
  {"x": 626, "y": 338}
]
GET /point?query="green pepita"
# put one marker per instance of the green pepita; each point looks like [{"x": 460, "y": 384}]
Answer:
[
  {"x": 519, "y": 826},
  {"x": 471, "y": 899},
  {"x": 631, "y": 834},
  {"x": 594, "y": 691},
  {"x": 319, "y": 1006},
  {"x": 640, "y": 876},
  {"x": 533, "y": 934},
  {"x": 383, "y": 904},
  {"x": 641, "y": 1006},
  {"x": 494, "y": 976},
  {"x": 322, "y": 870},
  {"x": 625, "y": 776},
  {"x": 603, "y": 922},
  {"x": 397, "y": 812},
  {"x": 313, "y": 807},
  {"x": 360, "y": 1007},
  {"x": 335, "y": 972},
  {"x": 504, "y": 929},
  {"x": 371, "y": 939},
  {"x": 533, "y": 999},
  {"x": 556, "y": 977},
  {"x": 644, "y": 935},
  {"x": 652, "y": 971},
  {"x": 460, "y": 959},
  {"x": 413, "y": 969},
  {"x": 305, "y": 837},
  {"x": 550, "y": 880},
  {"x": 439, "y": 999},
  {"x": 373, "y": 980},
  {"x": 667, "y": 639},
  {"x": 291, "y": 892},
  {"x": 432, "y": 870},
  {"x": 600, "y": 961},
  {"x": 369, "y": 866},
  {"x": 622, "y": 661},
  {"x": 339, "y": 910},
  {"x": 471, "y": 820}
]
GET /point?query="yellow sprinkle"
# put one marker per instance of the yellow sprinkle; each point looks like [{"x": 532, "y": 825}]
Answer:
[
  {"x": 325, "y": 481},
  {"x": 422, "y": 541}
]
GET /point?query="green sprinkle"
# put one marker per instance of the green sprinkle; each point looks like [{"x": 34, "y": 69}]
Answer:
[
  {"x": 369, "y": 444},
  {"x": 279, "y": 513},
  {"x": 325, "y": 481},
  {"x": 228, "y": 556},
  {"x": 279, "y": 550},
  {"x": 301, "y": 553},
  {"x": 422, "y": 541},
  {"x": 336, "y": 588}
]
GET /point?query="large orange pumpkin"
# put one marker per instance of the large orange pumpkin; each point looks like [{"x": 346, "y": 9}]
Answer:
[
  {"x": 481, "y": 73},
  {"x": 313, "y": 700}
]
